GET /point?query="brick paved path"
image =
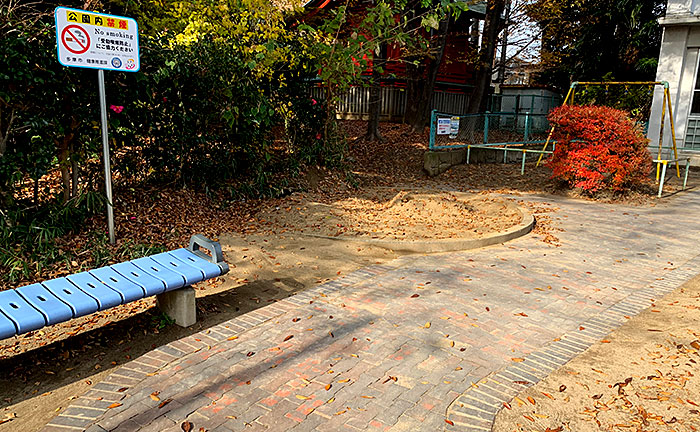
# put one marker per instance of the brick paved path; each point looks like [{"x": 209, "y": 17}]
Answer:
[{"x": 426, "y": 343}]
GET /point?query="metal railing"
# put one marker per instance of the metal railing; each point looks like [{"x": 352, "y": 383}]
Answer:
[{"x": 507, "y": 132}]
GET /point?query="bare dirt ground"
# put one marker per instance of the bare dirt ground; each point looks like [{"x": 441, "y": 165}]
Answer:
[
  {"x": 270, "y": 257},
  {"x": 643, "y": 377},
  {"x": 395, "y": 214}
]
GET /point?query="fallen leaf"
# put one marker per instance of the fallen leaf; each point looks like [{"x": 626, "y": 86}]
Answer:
[
  {"x": 302, "y": 397},
  {"x": 186, "y": 426},
  {"x": 154, "y": 396},
  {"x": 427, "y": 325},
  {"x": 232, "y": 338},
  {"x": 328, "y": 386},
  {"x": 165, "y": 402},
  {"x": 8, "y": 417},
  {"x": 415, "y": 295},
  {"x": 114, "y": 405},
  {"x": 531, "y": 400},
  {"x": 288, "y": 337},
  {"x": 449, "y": 422},
  {"x": 517, "y": 359}
]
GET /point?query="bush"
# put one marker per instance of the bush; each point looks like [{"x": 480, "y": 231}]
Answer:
[{"x": 598, "y": 148}]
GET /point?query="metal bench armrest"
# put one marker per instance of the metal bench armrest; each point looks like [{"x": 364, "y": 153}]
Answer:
[{"x": 217, "y": 256}]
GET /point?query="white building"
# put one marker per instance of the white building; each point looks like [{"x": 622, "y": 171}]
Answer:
[{"x": 678, "y": 65}]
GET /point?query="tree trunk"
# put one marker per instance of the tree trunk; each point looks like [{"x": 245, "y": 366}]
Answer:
[
  {"x": 504, "y": 47},
  {"x": 421, "y": 80},
  {"x": 63, "y": 165},
  {"x": 74, "y": 172},
  {"x": 65, "y": 147},
  {"x": 375, "y": 101},
  {"x": 484, "y": 66}
]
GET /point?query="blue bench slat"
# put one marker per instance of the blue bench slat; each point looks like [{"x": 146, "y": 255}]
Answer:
[
  {"x": 79, "y": 302},
  {"x": 7, "y": 327},
  {"x": 150, "y": 284},
  {"x": 125, "y": 287},
  {"x": 90, "y": 285},
  {"x": 209, "y": 269},
  {"x": 22, "y": 314},
  {"x": 191, "y": 274},
  {"x": 171, "y": 279},
  {"x": 53, "y": 309}
]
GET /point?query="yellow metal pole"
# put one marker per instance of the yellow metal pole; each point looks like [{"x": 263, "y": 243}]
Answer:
[
  {"x": 667, "y": 93},
  {"x": 661, "y": 135},
  {"x": 546, "y": 143},
  {"x": 551, "y": 131},
  {"x": 620, "y": 82}
]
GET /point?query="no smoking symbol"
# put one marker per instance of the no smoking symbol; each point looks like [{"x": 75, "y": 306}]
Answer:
[{"x": 75, "y": 39}]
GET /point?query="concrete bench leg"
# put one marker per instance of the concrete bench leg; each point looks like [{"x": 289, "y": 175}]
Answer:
[{"x": 179, "y": 305}]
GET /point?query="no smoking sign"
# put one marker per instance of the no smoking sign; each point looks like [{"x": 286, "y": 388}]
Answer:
[
  {"x": 75, "y": 39},
  {"x": 97, "y": 41}
]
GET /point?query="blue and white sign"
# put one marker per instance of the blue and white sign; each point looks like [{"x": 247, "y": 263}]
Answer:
[
  {"x": 443, "y": 125},
  {"x": 97, "y": 41}
]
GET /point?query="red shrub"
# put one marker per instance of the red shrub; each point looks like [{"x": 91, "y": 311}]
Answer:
[{"x": 598, "y": 148}]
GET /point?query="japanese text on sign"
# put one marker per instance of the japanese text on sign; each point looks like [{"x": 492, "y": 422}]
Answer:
[
  {"x": 98, "y": 41},
  {"x": 443, "y": 126}
]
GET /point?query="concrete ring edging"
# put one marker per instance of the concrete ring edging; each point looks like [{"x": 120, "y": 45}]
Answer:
[{"x": 527, "y": 223}]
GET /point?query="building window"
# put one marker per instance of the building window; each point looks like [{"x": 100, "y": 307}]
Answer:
[{"x": 695, "y": 106}]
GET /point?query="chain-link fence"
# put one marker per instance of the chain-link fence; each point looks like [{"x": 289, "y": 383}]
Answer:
[{"x": 497, "y": 129}]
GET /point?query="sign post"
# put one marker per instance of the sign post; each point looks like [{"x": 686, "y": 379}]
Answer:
[{"x": 103, "y": 42}]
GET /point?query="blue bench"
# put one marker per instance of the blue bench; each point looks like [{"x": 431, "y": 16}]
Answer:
[{"x": 166, "y": 275}]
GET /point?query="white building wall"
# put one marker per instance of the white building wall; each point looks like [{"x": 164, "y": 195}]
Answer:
[
  {"x": 673, "y": 61},
  {"x": 679, "y": 7}
]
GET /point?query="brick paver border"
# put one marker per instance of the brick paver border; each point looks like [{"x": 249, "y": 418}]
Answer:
[{"x": 476, "y": 409}]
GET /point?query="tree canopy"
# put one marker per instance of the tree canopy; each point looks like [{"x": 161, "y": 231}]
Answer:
[{"x": 589, "y": 39}]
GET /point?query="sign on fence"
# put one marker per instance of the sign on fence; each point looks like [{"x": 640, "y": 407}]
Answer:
[
  {"x": 444, "y": 125},
  {"x": 97, "y": 41},
  {"x": 454, "y": 127}
]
